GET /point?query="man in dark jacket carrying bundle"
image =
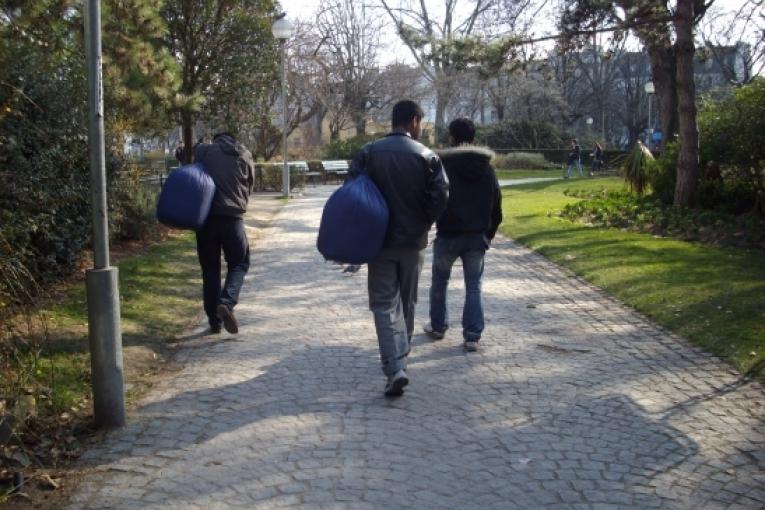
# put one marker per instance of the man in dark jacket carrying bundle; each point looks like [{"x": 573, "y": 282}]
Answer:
[
  {"x": 230, "y": 165},
  {"x": 464, "y": 231},
  {"x": 413, "y": 182}
]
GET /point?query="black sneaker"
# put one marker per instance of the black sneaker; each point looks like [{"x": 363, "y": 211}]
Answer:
[
  {"x": 396, "y": 383},
  {"x": 471, "y": 345},
  {"x": 227, "y": 316},
  {"x": 433, "y": 333},
  {"x": 214, "y": 329}
]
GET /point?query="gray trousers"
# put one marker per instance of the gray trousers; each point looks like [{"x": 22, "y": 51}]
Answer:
[{"x": 393, "y": 279}]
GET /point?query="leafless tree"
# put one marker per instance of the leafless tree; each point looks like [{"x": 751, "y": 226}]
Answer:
[
  {"x": 349, "y": 43},
  {"x": 443, "y": 41},
  {"x": 734, "y": 41},
  {"x": 395, "y": 82}
]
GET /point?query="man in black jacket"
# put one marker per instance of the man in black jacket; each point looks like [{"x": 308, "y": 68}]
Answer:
[
  {"x": 464, "y": 231},
  {"x": 413, "y": 182},
  {"x": 230, "y": 165}
]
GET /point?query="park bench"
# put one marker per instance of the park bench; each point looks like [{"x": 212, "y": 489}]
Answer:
[{"x": 336, "y": 169}]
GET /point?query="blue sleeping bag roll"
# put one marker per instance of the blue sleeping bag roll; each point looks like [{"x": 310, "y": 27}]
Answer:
[
  {"x": 186, "y": 198},
  {"x": 353, "y": 223}
]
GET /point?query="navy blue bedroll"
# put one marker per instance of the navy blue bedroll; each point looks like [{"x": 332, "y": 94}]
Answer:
[
  {"x": 186, "y": 198},
  {"x": 353, "y": 222}
]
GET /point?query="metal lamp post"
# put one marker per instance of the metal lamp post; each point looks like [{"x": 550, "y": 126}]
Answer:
[
  {"x": 101, "y": 281},
  {"x": 282, "y": 30},
  {"x": 649, "y": 90}
]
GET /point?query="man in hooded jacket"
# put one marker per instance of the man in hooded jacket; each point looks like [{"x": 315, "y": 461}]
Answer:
[
  {"x": 464, "y": 231},
  {"x": 231, "y": 167}
]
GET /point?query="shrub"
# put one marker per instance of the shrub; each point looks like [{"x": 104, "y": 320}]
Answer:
[
  {"x": 268, "y": 177},
  {"x": 521, "y": 134},
  {"x": 661, "y": 174},
  {"x": 634, "y": 167},
  {"x": 621, "y": 209},
  {"x": 732, "y": 133},
  {"x": 346, "y": 149},
  {"x": 520, "y": 160}
]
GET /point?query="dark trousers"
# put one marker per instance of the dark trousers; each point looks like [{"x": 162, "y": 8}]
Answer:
[
  {"x": 393, "y": 278},
  {"x": 226, "y": 232}
]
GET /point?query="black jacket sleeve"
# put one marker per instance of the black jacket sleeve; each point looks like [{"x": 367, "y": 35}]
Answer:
[
  {"x": 496, "y": 212},
  {"x": 436, "y": 189},
  {"x": 359, "y": 162}
]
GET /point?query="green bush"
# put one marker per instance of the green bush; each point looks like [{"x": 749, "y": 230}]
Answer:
[
  {"x": 634, "y": 167},
  {"x": 268, "y": 177},
  {"x": 346, "y": 149},
  {"x": 732, "y": 134},
  {"x": 643, "y": 213},
  {"x": 661, "y": 174},
  {"x": 521, "y": 134},
  {"x": 520, "y": 160}
]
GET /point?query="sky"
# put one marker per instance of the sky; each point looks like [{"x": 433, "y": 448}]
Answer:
[{"x": 395, "y": 51}]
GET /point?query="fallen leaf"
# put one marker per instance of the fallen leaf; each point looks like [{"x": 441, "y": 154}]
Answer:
[
  {"x": 49, "y": 482},
  {"x": 22, "y": 458}
]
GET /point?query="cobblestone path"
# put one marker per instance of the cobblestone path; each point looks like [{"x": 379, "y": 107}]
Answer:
[{"x": 574, "y": 402}]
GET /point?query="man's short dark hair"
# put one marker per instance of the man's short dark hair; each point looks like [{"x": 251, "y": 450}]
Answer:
[
  {"x": 223, "y": 133},
  {"x": 404, "y": 111},
  {"x": 462, "y": 130}
]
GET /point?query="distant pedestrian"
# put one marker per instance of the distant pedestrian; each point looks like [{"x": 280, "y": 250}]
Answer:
[
  {"x": 230, "y": 165},
  {"x": 179, "y": 153},
  {"x": 413, "y": 182},
  {"x": 597, "y": 159},
  {"x": 465, "y": 231},
  {"x": 574, "y": 159}
]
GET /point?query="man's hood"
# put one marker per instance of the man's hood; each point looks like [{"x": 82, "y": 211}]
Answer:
[
  {"x": 466, "y": 150},
  {"x": 230, "y": 146},
  {"x": 469, "y": 162}
]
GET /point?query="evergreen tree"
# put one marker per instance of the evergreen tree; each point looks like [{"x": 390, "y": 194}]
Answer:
[{"x": 225, "y": 52}]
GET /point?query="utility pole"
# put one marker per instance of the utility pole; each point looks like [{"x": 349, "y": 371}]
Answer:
[{"x": 101, "y": 281}]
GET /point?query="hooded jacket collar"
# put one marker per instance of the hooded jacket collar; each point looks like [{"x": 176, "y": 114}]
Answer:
[{"x": 465, "y": 149}]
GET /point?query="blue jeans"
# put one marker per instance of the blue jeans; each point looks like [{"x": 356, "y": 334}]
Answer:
[
  {"x": 471, "y": 250},
  {"x": 578, "y": 163},
  {"x": 226, "y": 233},
  {"x": 392, "y": 285}
]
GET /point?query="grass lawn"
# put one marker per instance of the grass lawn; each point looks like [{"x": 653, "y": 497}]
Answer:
[
  {"x": 526, "y": 174},
  {"x": 712, "y": 296},
  {"x": 160, "y": 295}
]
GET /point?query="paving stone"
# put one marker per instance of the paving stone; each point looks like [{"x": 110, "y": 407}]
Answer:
[{"x": 574, "y": 401}]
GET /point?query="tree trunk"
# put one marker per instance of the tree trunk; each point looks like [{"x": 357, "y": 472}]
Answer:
[
  {"x": 664, "y": 69},
  {"x": 334, "y": 132},
  {"x": 360, "y": 123},
  {"x": 688, "y": 159},
  {"x": 441, "y": 102},
  {"x": 360, "y": 117},
  {"x": 186, "y": 125},
  {"x": 500, "y": 111}
]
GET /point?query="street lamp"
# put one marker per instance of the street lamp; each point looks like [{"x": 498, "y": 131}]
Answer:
[
  {"x": 282, "y": 30},
  {"x": 649, "y": 90},
  {"x": 101, "y": 282}
]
